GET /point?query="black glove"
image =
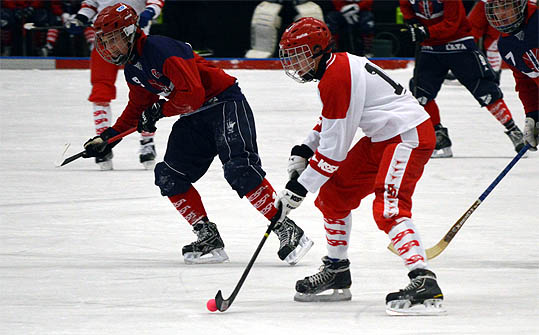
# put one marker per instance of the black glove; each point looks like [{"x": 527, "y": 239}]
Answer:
[
  {"x": 150, "y": 116},
  {"x": 298, "y": 160},
  {"x": 98, "y": 146},
  {"x": 417, "y": 32}
]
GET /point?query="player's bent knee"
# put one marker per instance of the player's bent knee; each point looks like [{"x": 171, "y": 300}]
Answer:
[
  {"x": 170, "y": 182},
  {"x": 243, "y": 178},
  {"x": 330, "y": 210}
]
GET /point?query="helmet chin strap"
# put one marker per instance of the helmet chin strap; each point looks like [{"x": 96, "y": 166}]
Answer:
[{"x": 317, "y": 75}]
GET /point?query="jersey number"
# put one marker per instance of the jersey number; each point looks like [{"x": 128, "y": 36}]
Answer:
[{"x": 373, "y": 70}]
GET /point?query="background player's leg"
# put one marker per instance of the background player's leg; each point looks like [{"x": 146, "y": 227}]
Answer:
[
  {"x": 429, "y": 75},
  {"x": 102, "y": 78},
  {"x": 474, "y": 72}
]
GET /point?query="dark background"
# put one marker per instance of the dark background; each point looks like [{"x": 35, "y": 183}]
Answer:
[{"x": 224, "y": 28}]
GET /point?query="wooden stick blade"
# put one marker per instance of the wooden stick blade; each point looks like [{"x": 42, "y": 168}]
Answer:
[{"x": 431, "y": 252}]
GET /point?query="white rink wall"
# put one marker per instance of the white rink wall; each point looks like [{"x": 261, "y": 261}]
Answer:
[{"x": 90, "y": 252}]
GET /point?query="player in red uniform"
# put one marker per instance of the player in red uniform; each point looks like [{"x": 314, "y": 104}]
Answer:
[
  {"x": 388, "y": 162},
  {"x": 103, "y": 74},
  {"x": 215, "y": 119},
  {"x": 442, "y": 29},
  {"x": 518, "y": 22}
]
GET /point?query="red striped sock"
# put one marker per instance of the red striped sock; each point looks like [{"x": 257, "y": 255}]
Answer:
[
  {"x": 262, "y": 198},
  {"x": 189, "y": 205}
]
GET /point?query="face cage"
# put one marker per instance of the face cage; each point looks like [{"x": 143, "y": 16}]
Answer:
[
  {"x": 298, "y": 63},
  {"x": 114, "y": 38},
  {"x": 494, "y": 8}
]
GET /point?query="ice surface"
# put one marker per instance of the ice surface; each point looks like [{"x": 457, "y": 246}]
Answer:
[{"x": 89, "y": 252}]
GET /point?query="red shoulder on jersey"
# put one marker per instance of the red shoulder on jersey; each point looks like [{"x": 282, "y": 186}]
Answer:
[{"x": 335, "y": 87}]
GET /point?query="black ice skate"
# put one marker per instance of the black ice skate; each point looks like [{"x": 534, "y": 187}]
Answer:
[
  {"x": 208, "y": 248},
  {"x": 516, "y": 136},
  {"x": 421, "y": 297},
  {"x": 147, "y": 153},
  {"x": 294, "y": 243},
  {"x": 332, "y": 276},
  {"x": 443, "y": 143},
  {"x": 105, "y": 162}
]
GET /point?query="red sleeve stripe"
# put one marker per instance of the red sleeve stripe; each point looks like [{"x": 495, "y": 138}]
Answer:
[
  {"x": 85, "y": 5},
  {"x": 323, "y": 165},
  {"x": 318, "y": 126},
  {"x": 159, "y": 3}
]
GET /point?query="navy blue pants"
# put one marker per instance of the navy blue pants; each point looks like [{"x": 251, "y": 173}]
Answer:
[
  {"x": 227, "y": 130},
  {"x": 467, "y": 63}
]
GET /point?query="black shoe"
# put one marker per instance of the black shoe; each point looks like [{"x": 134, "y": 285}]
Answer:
[
  {"x": 443, "y": 143},
  {"x": 209, "y": 242},
  {"x": 147, "y": 153},
  {"x": 421, "y": 296},
  {"x": 333, "y": 275},
  {"x": 294, "y": 244},
  {"x": 516, "y": 136}
]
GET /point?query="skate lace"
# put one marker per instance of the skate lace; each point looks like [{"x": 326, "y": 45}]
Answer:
[
  {"x": 320, "y": 277},
  {"x": 515, "y": 135},
  {"x": 414, "y": 284},
  {"x": 203, "y": 234},
  {"x": 284, "y": 232}
]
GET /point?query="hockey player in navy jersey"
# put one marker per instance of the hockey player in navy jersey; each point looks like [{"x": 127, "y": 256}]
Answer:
[
  {"x": 103, "y": 74},
  {"x": 215, "y": 120},
  {"x": 519, "y": 47},
  {"x": 388, "y": 161},
  {"x": 442, "y": 29}
]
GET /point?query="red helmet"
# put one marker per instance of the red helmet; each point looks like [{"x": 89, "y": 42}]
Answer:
[
  {"x": 505, "y": 16},
  {"x": 302, "y": 42},
  {"x": 115, "y": 30}
]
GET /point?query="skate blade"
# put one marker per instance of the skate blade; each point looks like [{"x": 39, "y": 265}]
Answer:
[
  {"x": 442, "y": 153},
  {"x": 304, "y": 245},
  {"x": 215, "y": 256},
  {"x": 404, "y": 307},
  {"x": 337, "y": 295},
  {"x": 105, "y": 166},
  {"x": 149, "y": 165}
]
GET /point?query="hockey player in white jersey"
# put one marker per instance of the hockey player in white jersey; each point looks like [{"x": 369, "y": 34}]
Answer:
[
  {"x": 103, "y": 74},
  {"x": 388, "y": 162}
]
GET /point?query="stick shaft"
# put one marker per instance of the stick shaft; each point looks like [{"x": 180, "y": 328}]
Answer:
[{"x": 224, "y": 304}]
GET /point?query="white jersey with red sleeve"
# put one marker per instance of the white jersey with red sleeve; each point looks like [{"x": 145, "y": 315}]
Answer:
[
  {"x": 355, "y": 93},
  {"x": 90, "y": 8}
]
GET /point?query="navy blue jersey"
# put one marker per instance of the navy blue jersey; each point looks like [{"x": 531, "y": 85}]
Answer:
[
  {"x": 521, "y": 52},
  {"x": 169, "y": 68}
]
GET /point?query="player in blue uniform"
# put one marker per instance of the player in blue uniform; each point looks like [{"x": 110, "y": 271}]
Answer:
[
  {"x": 445, "y": 36},
  {"x": 519, "y": 47},
  {"x": 215, "y": 120}
]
